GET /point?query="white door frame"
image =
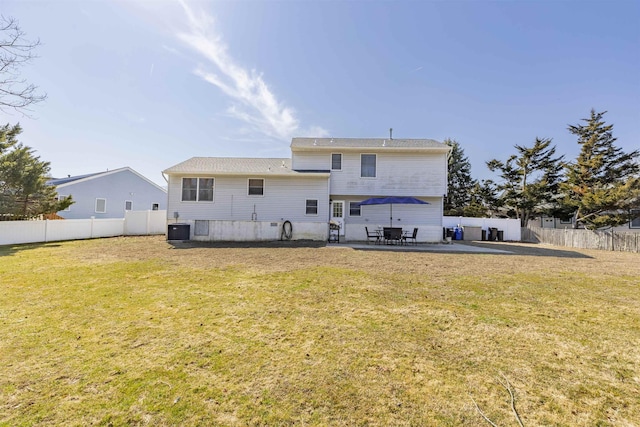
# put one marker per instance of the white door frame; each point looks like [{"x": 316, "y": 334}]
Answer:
[{"x": 335, "y": 208}]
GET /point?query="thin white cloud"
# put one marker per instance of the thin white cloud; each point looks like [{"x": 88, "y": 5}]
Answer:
[{"x": 254, "y": 102}]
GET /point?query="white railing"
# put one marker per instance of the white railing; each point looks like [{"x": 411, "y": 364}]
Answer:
[{"x": 134, "y": 223}]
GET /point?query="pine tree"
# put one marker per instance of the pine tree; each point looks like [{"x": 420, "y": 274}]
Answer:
[
  {"x": 603, "y": 183},
  {"x": 460, "y": 184},
  {"x": 530, "y": 180},
  {"x": 23, "y": 176}
]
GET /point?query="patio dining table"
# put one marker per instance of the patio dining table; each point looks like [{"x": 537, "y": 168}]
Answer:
[{"x": 392, "y": 235}]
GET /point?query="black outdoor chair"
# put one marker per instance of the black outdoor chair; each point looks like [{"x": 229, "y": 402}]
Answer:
[
  {"x": 412, "y": 236},
  {"x": 392, "y": 235},
  {"x": 375, "y": 235}
]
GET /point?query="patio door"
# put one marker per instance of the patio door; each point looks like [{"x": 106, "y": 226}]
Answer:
[{"x": 337, "y": 214}]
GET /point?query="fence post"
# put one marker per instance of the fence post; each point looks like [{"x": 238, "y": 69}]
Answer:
[
  {"x": 46, "y": 230},
  {"x": 91, "y": 233},
  {"x": 148, "y": 222}
]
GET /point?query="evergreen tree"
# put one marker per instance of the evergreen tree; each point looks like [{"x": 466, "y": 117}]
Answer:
[
  {"x": 530, "y": 180},
  {"x": 23, "y": 176},
  {"x": 484, "y": 201},
  {"x": 602, "y": 184},
  {"x": 460, "y": 184}
]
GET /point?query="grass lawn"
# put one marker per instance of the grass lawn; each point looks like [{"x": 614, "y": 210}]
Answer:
[{"x": 135, "y": 331}]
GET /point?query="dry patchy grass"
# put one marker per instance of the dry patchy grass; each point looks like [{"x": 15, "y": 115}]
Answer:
[{"x": 135, "y": 331}]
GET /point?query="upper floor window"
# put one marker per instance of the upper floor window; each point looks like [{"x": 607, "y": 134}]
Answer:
[
  {"x": 368, "y": 165},
  {"x": 256, "y": 187},
  {"x": 197, "y": 189},
  {"x": 336, "y": 161},
  {"x": 128, "y": 204},
  {"x": 155, "y": 206}
]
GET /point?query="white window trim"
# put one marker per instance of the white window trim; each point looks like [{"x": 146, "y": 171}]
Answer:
[
  {"x": 125, "y": 205},
  {"x": 368, "y": 154},
  {"x": 105, "y": 205},
  {"x": 331, "y": 160},
  {"x": 197, "y": 200},
  {"x": 317, "y": 207},
  {"x": 62, "y": 197},
  {"x": 264, "y": 185}
]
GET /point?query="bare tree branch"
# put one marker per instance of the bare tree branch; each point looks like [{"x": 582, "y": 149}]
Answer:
[{"x": 15, "y": 52}]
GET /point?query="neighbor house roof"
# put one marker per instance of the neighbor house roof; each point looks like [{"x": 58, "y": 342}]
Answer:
[
  {"x": 387, "y": 144},
  {"x": 63, "y": 182},
  {"x": 236, "y": 166}
]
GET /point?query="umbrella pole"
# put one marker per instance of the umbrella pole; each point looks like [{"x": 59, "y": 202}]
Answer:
[{"x": 391, "y": 215}]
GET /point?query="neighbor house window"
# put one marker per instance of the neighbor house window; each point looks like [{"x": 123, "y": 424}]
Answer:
[
  {"x": 128, "y": 204},
  {"x": 354, "y": 208},
  {"x": 635, "y": 218},
  {"x": 336, "y": 161},
  {"x": 368, "y": 165},
  {"x": 62, "y": 198},
  {"x": 566, "y": 220},
  {"x": 312, "y": 207},
  {"x": 197, "y": 189},
  {"x": 155, "y": 206},
  {"x": 101, "y": 205},
  {"x": 256, "y": 187}
]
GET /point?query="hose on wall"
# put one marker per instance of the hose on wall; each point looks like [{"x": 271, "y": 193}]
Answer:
[{"x": 287, "y": 231}]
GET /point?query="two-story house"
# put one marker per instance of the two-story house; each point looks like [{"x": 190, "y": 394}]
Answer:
[{"x": 252, "y": 199}]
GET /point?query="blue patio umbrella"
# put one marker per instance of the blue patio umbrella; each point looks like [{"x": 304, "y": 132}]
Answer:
[{"x": 391, "y": 200}]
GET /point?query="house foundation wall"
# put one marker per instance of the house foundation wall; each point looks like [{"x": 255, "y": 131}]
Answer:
[{"x": 254, "y": 231}]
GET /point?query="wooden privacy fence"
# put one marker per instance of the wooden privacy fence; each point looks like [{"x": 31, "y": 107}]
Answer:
[{"x": 608, "y": 240}]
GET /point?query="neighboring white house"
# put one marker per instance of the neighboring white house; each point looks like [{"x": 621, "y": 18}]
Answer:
[
  {"x": 246, "y": 199},
  {"x": 551, "y": 222},
  {"x": 109, "y": 194}
]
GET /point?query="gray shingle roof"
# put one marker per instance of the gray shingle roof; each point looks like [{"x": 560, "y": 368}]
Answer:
[
  {"x": 232, "y": 166},
  {"x": 355, "y": 143}
]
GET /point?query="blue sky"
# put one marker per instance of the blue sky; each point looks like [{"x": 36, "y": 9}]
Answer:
[{"x": 148, "y": 84}]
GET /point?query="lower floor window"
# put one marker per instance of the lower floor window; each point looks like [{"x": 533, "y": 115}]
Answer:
[
  {"x": 312, "y": 207},
  {"x": 354, "y": 208}
]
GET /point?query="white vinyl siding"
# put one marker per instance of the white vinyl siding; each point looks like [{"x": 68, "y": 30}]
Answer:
[{"x": 283, "y": 200}]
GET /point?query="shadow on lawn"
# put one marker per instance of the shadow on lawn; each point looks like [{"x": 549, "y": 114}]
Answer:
[
  {"x": 179, "y": 244},
  {"x": 478, "y": 248},
  {"x": 8, "y": 250}
]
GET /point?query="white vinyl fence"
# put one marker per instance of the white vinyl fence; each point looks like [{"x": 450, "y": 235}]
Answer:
[
  {"x": 510, "y": 227},
  {"x": 134, "y": 223}
]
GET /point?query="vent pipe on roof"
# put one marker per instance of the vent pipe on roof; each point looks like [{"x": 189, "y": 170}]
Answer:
[{"x": 390, "y": 133}]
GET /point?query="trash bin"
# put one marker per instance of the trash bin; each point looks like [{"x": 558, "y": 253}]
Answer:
[
  {"x": 334, "y": 232},
  {"x": 493, "y": 234},
  {"x": 458, "y": 233},
  {"x": 484, "y": 235},
  {"x": 178, "y": 232},
  {"x": 448, "y": 232},
  {"x": 500, "y": 235}
]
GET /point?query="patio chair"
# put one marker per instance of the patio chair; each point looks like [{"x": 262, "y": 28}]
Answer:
[
  {"x": 372, "y": 235},
  {"x": 392, "y": 235},
  {"x": 412, "y": 236}
]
